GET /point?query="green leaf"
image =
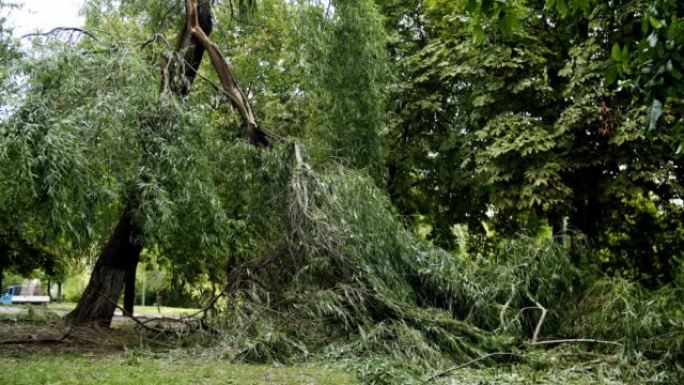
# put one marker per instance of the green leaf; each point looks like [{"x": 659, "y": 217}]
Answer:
[
  {"x": 655, "y": 23},
  {"x": 562, "y": 7},
  {"x": 611, "y": 74},
  {"x": 482, "y": 100},
  {"x": 616, "y": 53}
]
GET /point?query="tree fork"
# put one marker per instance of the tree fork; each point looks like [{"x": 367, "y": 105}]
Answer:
[{"x": 257, "y": 136}]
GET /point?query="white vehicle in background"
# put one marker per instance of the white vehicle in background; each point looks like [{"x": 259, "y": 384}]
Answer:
[{"x": 27, "y": 293}]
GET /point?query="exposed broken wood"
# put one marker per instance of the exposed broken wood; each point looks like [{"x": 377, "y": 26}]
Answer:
[{"x": 257, "y": 136}]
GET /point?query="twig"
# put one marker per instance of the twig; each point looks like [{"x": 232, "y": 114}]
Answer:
[
  {"x": 572, "y": 340},
  {"x": 502, "y": 313},
  {"x": 61, "y": 29},
  {"x": 478, "y": 359},
  {"x": 154, "y": 39},
  {"x": 537, "y": 330}
]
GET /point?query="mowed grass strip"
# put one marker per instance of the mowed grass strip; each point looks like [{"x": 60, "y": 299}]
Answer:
[
  {"x": 163, "y": 310},
  {"x": 129, "y": 369}
]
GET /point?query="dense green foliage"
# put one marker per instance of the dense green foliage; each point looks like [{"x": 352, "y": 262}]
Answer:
[
  {"x": 453, "y": 171},
  {"x": 146, "y": 367},
  {"x": 543, "y": 122}
]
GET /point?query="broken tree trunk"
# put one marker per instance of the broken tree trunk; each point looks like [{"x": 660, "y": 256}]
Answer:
[
  {"x": 257, "y": 135},
  {"x": 117, "y": 263}
]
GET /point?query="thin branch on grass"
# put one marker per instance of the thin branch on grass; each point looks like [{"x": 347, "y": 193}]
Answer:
[
  {"x": 475, "y": 360},
  {"x": 574, "y": 340},
  {"x": 129, "y": 315}
]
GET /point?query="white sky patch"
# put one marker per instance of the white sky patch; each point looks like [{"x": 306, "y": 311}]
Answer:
[
  {"x": 37, "y": 16},
  {"x": 44, "y": 15}
]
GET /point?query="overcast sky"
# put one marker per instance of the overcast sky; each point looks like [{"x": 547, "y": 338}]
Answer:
[{"x": 44, "y": 15}]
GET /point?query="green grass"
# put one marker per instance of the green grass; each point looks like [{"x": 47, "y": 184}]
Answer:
[
  {"x": 135, "y": 369},
  {"x": 165, "y": 310}
]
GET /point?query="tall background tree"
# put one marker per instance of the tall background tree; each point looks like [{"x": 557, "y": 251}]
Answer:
[{"x": 527, "y": 116}]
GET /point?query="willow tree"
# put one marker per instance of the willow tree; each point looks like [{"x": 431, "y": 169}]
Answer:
[
  {"x": 93, "y": 153},
  {"x": 30, "y": 170},
  {"x": 349, "y": 78},
  {"x": 116, "y": 265}
]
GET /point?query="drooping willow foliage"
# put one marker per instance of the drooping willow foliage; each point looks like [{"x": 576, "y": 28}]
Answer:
[
  {"x": 91, "y": 127},
  {"x": 338, "y": 275}
]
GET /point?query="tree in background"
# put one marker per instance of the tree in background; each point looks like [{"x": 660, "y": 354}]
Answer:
[
  {"x": 512, "y": 115},
  {"x": 348, "y": 81}
]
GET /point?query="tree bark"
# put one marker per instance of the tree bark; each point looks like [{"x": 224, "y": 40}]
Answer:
[
  {"x": 118, "y": 261},
  {"x": 120, "y": 254},
  {"x": 129, "y": 289}
]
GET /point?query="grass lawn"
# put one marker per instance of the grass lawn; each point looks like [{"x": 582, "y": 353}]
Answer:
[
  {"x": 135, "y": 369},
  {"x": 167, "y": 311}
]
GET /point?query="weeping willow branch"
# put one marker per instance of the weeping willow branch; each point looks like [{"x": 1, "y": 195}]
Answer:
[{"x": 502, "y": 313}]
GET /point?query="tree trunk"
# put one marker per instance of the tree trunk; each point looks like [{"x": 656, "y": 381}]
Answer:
[
  {"x": 119, "y": 256},
  {"x": 118, "y": 261},
  {"x": 129, "y": 289},
  {"x": 4, "y": 262}
]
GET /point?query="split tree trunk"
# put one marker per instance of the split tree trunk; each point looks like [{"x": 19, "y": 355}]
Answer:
[
  {"x": 120, "y": 255},
  {"x": 117, "y": 263},
  {"x": 257, "y": 136}
]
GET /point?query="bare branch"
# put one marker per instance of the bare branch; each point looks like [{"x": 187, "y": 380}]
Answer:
[
  {"x": 59, "y": 30},
  {"x": 537, "y": 329},
  {"x": 131, "y": 316},
  {"x": 61, "y": 339},
  {"x": 478, "y": 359},
  {"x": 571, "y": 340}
]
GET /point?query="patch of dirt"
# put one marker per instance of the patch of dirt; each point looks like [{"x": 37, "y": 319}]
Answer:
[{"x": 24, "y": 337}]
